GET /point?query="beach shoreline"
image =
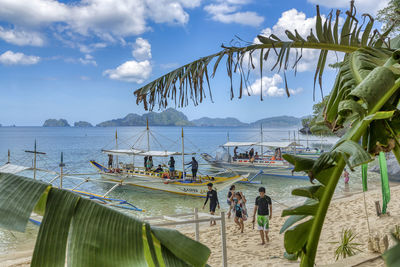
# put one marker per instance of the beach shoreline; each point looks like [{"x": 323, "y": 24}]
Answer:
[{"x": 346, "y": 211}]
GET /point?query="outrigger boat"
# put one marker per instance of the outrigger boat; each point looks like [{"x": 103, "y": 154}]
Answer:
[
  {"x": 270, "y": 159},
  {"x": 104, "y": 199},
  {"x": 181, "y": 183}
]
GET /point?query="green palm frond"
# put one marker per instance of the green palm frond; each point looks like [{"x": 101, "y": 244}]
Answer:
[
  {"x": 80, "y": 232},
  {"x": 187, "y": 82},
  {"x": 363, "y": 101}
]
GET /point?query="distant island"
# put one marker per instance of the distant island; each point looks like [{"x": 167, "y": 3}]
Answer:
[
  {"x": 83, "y": 124},
  {"x": 168, "y": 117},
  {"x": 172, "y": 117},
  {"x": 210, "y": 122},
  {"x": 56, "y": 123}
]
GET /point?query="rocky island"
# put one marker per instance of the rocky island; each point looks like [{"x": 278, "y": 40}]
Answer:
[
  {"x": 56, "y": 123},
  {"x": 83, "y": 124}
]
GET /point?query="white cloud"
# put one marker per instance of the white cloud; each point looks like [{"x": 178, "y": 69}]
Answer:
[
  {"x": 362, "y": 6},
  {"x": 21, "y": 37},
  {"x": 227, "y": 12},
  {"x": 88, "y": 60},
  {"x": 271, "y": 87},
  {"x": 131, "y": 71},
  {"x": 141, "y": 49},
  {"x": 11, "y": 58},
  {"x": 107, "y": 19}
]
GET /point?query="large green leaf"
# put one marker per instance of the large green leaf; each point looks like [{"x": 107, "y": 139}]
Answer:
[
  {"x": 296, "y": 237},
  {"x": 313, "y": 192},
  {"x": 290, "y": 221},
  {"x": 51, "y": 243},
  {"x": 308, "y": 208},
  {"x": 300, "y": 163},
  {"x": 182, "y": 246},
  {"x": 18, "y": 197},
  {"x": 391, "y": 256},
  {"x": 353, "y": 153},
  {"x": 100, "y": 236}
]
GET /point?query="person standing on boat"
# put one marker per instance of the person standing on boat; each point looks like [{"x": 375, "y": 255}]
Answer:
[
  {"x": 110, "y": 161},
  {"x": 263, "y": 209},
  {"x": 195, "y": 167},
  {"x": 251, "y": 155},
  {"x": 145, "y": 161},
  {"x": 171, "y": 164},
  {"x": 213, "y": 196},
  {"x": 235, "y": 155},
  {"x": 149, "y": 164}
]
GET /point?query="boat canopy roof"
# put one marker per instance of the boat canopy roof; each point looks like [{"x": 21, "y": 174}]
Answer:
[
  {"x": 118, "y": 152},
  {"x": 282, "y": 144},
  {"x": 12, "y": 168},
  {"x": 228, "y": 144},
  {"x": 162, "y": 153},
  {"x": 137, "y": 152}
]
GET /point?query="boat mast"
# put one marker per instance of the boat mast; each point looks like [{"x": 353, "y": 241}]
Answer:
[
  {"x": 262, "y": 140},
  {"x": 61, "y": 170},
  {"x": 183, "y": 158},
  {"x": 116, "y": 147},
  {"x": 34, "y": 152},
  {"x": 148, "y": 134},
  {"x": 294, "y": 140},
  {"x": 229, "y": 151}
]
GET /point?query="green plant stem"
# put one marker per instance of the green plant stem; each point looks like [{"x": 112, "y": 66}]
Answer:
[
  {"x": 315, "y": 232},
  {"x": 308, "y": 258},
  {"x": 396, "y": 152}
]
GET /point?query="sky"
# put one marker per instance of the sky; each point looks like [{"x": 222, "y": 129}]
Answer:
[{"x": 82, "y": 60}]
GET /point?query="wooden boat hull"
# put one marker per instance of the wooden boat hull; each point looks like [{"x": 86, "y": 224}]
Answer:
[{"x": 154, "y": 181}]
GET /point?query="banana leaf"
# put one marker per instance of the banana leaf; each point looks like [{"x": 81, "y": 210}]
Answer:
[
  {"x": 18, "y": 197},
  {"x": 84, "y": 233}
]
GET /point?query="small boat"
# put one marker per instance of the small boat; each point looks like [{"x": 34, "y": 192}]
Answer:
[
  {"x": 181, "y": 182},
  {"x": 156, "y": 181}
]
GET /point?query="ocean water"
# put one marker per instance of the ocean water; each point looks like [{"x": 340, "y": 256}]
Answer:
[{"x": 79, "y": 145}]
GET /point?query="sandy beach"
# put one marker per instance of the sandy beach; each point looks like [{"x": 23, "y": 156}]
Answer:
[
  {"x": 244, "y": 249},
  {"x": 346, "y": 212}
]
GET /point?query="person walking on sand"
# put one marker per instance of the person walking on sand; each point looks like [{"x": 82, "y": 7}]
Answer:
[
  {"x": 346, "y": 176},
  {"x": 229, "y": 201},
  {"x": 213, "y": 196},
  {"x": 240, "y": 210},
  {"x": 263, "y": 209}
]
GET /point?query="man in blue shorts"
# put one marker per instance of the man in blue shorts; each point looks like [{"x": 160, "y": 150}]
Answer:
[{"x": 263, "y": 209}]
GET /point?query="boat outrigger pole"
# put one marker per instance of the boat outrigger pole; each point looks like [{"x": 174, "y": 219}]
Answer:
[
  {"x": 62, "y": 165},
  {"x": 148, "y": 134},
  {"x": 8, "y": 156},
  {"x": 262, "y": 140},
  {"x": 35, "y": 152},
  {"x": 183, "y": 158},
  {"x": 116, "y": 147}
]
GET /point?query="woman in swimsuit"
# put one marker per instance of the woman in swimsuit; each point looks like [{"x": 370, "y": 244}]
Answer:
[{"x": 239, "y": 203}]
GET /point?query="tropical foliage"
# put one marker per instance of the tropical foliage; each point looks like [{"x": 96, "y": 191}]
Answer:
[
  {"x": 347, "y": 247},
  {"x": 83, "y": 233},
  {"x": 390, "y": 15},
  {"x": 363, "y": 100}
]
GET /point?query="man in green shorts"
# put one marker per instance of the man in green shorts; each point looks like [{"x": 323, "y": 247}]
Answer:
[{"x": 263, "y": 208}]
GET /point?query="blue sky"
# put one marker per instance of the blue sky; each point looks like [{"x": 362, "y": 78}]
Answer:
[{"x": 82, "y": 60}]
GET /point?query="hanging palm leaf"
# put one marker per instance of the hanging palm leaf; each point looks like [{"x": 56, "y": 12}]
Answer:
[
  {"x": 363, "y": 101},
  {"x": 84, "y": 233}
]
